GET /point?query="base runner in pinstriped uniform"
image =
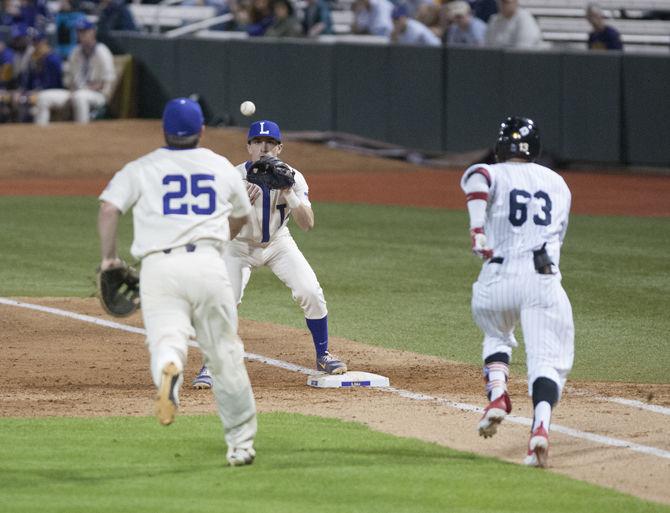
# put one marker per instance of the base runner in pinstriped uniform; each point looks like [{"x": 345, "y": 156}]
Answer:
[{"x": 518, "y": 218}]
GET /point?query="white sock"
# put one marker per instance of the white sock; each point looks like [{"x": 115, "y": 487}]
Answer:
[
  {"x": 542, "y": 415},
  {"x": 496, "y": 379}
]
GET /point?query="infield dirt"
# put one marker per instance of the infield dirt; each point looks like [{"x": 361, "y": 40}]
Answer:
[{"x": 58, "y": 366}]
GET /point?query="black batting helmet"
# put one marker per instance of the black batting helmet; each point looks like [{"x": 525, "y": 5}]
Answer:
[{"x": 518, "y": 138}]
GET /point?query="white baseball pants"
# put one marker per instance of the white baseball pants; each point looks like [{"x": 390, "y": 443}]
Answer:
[
  {"x": 188, "y": 294},
  {"x": 82, "y": 101},
  {"x": 287, "y": 262},
  {"x": 500, "y": 300}
]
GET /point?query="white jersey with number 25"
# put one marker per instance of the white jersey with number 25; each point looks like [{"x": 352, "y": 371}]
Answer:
[{"x": 179, "y": 197}]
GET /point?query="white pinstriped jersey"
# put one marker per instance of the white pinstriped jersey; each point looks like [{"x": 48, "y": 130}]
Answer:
[
  {"x": 178, "y": 197},
  {"x": 528, "y": 205},
  {"x": 270, "y": 213}
]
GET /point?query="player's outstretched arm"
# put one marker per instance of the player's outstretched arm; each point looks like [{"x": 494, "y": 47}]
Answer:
[
  {"x": 302, "y": 214},
  {"x": 108, "y": 221}
]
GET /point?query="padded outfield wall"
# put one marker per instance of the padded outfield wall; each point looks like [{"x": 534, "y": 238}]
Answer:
[{"x": 596, "y": 107}]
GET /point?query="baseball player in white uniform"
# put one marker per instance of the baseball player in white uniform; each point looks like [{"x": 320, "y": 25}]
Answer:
[
  {"x": 90, "y": 75},
  {"x": 518, "y": 218},
  {"x": 187, "y": 203},
  {"x": 266, "y": 241}
]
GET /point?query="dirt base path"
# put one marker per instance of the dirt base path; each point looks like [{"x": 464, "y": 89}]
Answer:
[
  {"x": 58, "y": 366},
  {"x": 64, "y": 367}
]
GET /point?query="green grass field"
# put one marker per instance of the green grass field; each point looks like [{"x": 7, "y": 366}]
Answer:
[
  {"x": 396, "y": 277},
  {"x": 393, "y": 277},
  {"x": 305, "y": 464}
]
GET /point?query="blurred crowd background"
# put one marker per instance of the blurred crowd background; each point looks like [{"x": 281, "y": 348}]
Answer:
[{"x": 55, "y": 60}]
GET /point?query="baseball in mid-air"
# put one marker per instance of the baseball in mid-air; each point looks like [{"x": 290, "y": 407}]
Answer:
[{"x": 247, "y": 108}]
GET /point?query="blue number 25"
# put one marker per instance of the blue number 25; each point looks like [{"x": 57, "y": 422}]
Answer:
[{"x": 200, "y": 186}]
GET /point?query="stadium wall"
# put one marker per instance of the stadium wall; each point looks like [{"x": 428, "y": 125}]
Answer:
[{"x": 595, "y": 107}]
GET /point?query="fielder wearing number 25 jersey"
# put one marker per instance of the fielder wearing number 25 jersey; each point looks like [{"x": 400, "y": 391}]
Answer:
[
  {"x": 163, "y": 218},
  {"x": 518, "y": 218},
  {"x": 187, "y": 203}
]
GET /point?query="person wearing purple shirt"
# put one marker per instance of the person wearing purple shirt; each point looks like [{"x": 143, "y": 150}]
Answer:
[
  {"x": 6, "y": 63},
  {"x": 45, "y": 70},
  {"x": 260, "y": 18},
  {"x": 6, "y": 66},
  {"x": 603, "y": 36}
]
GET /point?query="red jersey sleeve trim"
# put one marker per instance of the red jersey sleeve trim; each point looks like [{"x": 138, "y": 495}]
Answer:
[
  {"x": 477, "y": 196},
  {"x": 482, "y": 171}
]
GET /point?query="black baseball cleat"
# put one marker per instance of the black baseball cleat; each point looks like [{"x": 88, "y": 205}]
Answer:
[
  {"x": 166, "y": 400},
  {"x": 330, "y": 364}
]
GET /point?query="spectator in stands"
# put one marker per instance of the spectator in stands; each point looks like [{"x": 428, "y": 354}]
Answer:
[
  {"x": 45, "y": 71},
  {"x": 372, "y": 17},
  {"x": 483, "y": 9},
  {"x": 414, "y": 6},
  {"x": 66, "y": 32},
  {"x": 285, "y": 23},
  {"x": 317, "y": 19},
  {"x": 6, "y": 64},
  {"x": 260, "y": 17},
  {"x": 9, "y": 13},
  {"x": 34, "y": 13},
  {"x": 430, "y": 15},
  {"x": 91, "y": 76},
  {"x": 464, "y": 29},
  {"x": 603, "y": 36},
  {"x": 114, "y": 15},
  {"x": 21, "y": 45},
  {"x": 409, "y": 31},
  {"x": 513, "y": 27},
  {"x": 20, "y": 51}
]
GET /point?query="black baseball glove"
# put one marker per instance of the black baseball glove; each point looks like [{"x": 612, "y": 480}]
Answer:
[
  {"x": 119, "y": 290},
  {"x": 271, "y": 172}
]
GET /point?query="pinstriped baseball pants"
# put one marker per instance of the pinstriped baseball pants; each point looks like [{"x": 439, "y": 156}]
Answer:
[{"x": 501, "y": 300}]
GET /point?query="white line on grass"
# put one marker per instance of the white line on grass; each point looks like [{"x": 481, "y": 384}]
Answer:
[{"x": 605, "y": 440}]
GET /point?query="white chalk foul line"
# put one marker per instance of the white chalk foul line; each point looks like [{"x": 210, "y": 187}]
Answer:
[
  {"x": 73, "y": 315},
  {"x": 600, "y": 439},
  {"x": 638, "y": 404},
  {"x": 655, "y": 408}
]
